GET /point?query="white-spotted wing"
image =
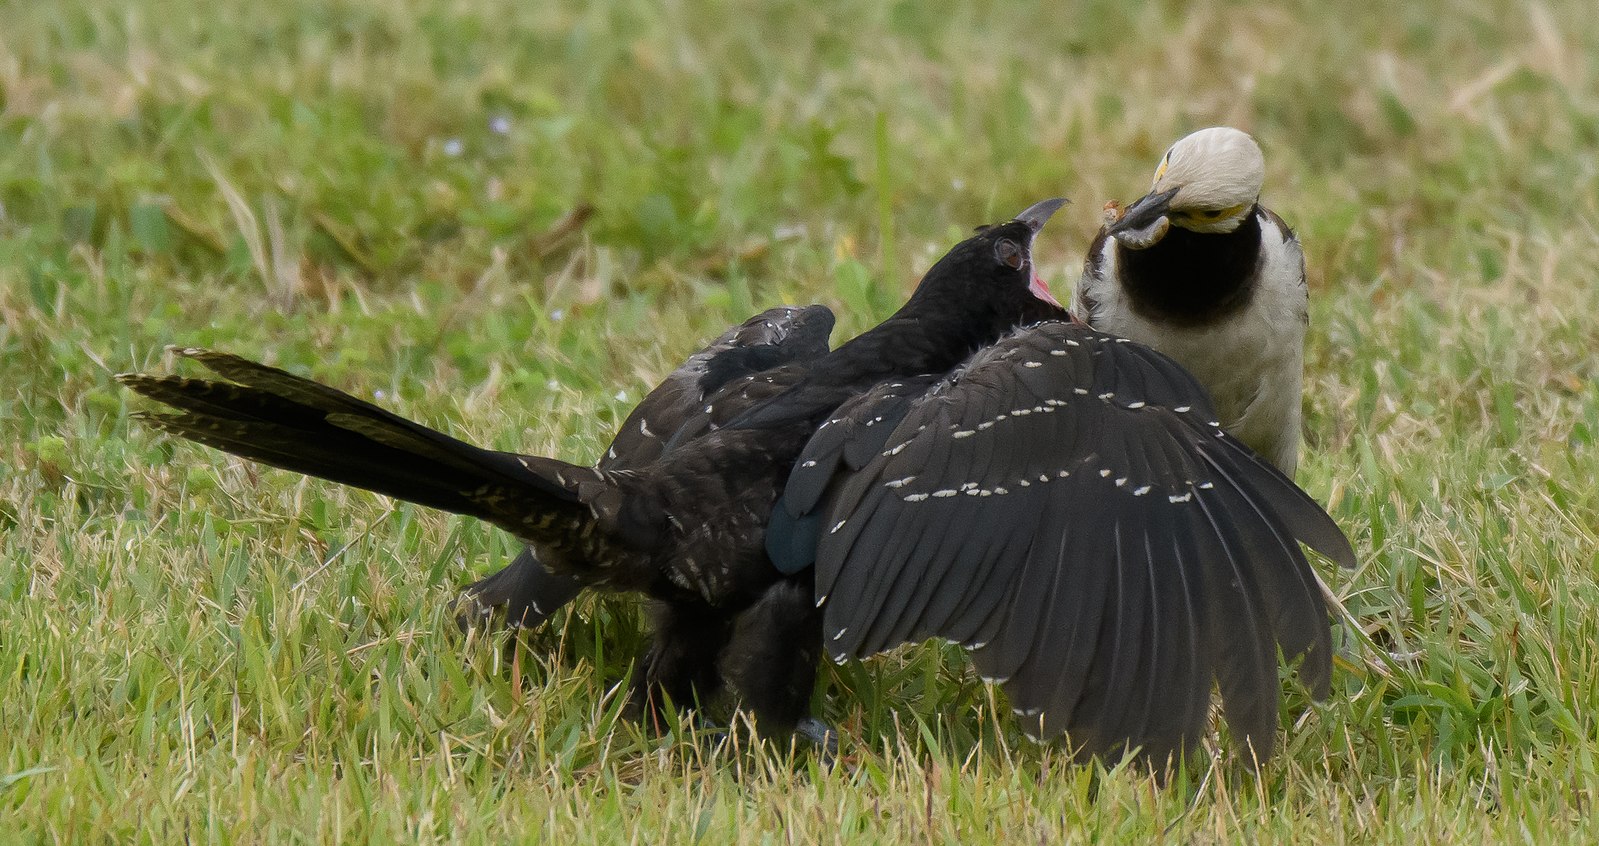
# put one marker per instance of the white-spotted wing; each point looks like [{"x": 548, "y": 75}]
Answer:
[{"x": 1068, "y": 509}]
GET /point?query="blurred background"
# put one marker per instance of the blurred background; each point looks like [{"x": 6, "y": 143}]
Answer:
[
  {"x": 509, "y": 219},
  {"x": 302, "y": 151}
]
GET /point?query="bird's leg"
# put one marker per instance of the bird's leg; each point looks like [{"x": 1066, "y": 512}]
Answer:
[
  {"x": 527, "y": 590},
  {"x": 680, "y": 664},
  {"x": 771, "y": 662}
]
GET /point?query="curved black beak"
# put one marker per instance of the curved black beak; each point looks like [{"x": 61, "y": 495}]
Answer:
[
  {"x": 1038, "y": 214},
  {"x": 1145, "y": 211}
]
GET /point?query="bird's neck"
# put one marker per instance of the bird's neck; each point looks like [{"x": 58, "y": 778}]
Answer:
[
  {"x": 935, "y": 331},
  {"x": 1192, "y": 278},
  {"x": 932, "y": 333}
]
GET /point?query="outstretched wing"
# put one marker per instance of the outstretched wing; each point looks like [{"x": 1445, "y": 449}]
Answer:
[{"x": 1069, "y": 510}]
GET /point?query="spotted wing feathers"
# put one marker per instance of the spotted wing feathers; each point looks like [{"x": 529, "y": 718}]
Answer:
[
  {"x": 845, "y": 442},
  {"x": 776, "y": 337},
  {"x": 1069, "y": 510}
]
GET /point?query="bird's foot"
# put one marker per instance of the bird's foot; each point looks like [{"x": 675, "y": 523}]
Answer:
[
  {"x": 471, "y": 613},
  {"x": 810, "y": 734},
  {"x": 821, "y": 735}
]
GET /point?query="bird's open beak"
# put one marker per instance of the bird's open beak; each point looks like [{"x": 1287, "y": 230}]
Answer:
[
  {"x": 1035, "y": 217},
  {"x": 1038, "y": 214},
  {"x": 1144, "y": 222}
]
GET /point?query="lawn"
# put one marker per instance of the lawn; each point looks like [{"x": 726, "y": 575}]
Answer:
[{"x": 509, "y": 219}]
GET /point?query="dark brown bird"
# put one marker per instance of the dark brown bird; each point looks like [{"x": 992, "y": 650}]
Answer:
[
  {"x": 529, "y": 592},
  {"x": 686, "y": 529},
  {"x": 1064, "y": 503}
]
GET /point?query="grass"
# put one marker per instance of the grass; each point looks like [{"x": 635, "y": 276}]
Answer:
[{"x": 509, "y": 219}]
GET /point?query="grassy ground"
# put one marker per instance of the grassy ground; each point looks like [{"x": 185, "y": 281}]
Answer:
[{"x": 508, "y": 219}]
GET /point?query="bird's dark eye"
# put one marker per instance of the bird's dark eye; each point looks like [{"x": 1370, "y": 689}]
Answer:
[
  {"x": 1009, "y": 253},
  {"x": 1211, "y": 214}
]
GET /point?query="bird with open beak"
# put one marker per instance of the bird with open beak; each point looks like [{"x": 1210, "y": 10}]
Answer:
[{"x": 1201, "y": 271}]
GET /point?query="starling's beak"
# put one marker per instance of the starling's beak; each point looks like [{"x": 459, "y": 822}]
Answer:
[
  {"x": 1144, "y": 211},
  {"x": 1145, "y": 221},
  {"x": 1039, "y": 213}
]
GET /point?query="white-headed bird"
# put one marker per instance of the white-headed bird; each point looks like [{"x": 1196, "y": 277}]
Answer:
[{"x": 1201, "y": 271}]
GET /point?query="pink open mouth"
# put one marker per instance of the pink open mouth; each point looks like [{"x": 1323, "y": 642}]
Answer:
[{"x": 1041, "y": 291}]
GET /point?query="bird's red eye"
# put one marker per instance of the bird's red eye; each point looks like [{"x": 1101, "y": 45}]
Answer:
[{"x": 1009, "y": 253}]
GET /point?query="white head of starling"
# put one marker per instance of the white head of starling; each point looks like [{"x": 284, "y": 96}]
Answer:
[{"x": 1207, "y": 182}]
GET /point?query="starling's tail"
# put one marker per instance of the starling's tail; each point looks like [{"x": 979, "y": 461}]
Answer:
[{"x": 277, "y": 418}]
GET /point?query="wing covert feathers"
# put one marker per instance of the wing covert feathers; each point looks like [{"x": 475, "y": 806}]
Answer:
[{"x": 1068, "y": 509}]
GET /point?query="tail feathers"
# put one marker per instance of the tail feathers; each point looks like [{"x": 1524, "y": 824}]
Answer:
[{"x": 280, "y": 419}]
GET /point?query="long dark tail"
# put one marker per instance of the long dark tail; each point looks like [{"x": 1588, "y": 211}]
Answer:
[{"x": 274, "y": 417}]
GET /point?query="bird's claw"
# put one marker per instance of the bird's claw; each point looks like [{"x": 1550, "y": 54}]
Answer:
[{"x": 822, "y": 735}]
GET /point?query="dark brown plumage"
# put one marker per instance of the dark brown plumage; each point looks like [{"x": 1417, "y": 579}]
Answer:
[
  {"x": 1064, "y": 503},
  {"x": 686, "y": 529},
  {"x": 527, "y": 590},
  {"x": 1067, "y": 507}
]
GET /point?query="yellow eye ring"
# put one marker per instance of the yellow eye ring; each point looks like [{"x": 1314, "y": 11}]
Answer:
[{"x": 1212, "y": 215}]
